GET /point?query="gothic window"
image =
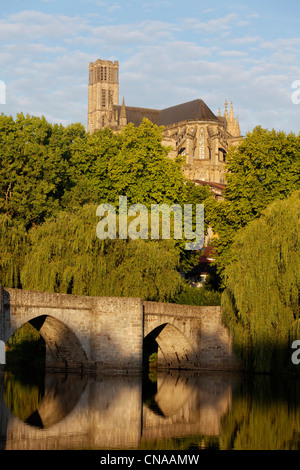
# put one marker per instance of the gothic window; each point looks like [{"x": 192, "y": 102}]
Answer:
[
  {"x": 103, "y": 121},
  {"x": 103, "y": 103},
  {"x": 201, "y": 144},
  {"x": 222, "y": 155}
]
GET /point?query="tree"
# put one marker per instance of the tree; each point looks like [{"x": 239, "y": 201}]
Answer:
[
  {"x": 13, "y": 241},
  {"x": 261, "y": 298},
  {"x": 33, "y": 166},
  {"x": 264, "y": 167},
  {"x": 134, "y": 164},
  {"x": 46, "y": 169},
  {"x": 197, "y": 296},
  {"x": 89, "y": 179},
  {"x": 66, "y": 256},
  {"x": 142, "y": 170},
  {"x": 105, "y": 165}
]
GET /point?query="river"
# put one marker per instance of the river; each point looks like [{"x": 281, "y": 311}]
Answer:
[{"x": 172, "y": 410}]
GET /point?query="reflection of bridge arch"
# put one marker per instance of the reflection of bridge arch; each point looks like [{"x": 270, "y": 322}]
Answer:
[
  {"x": 173, "y": 348},
  {"x": 58, "y": 396},
  {"x": 108, "y": 413}
]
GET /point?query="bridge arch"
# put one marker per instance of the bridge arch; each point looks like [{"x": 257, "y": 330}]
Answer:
[
  {"x": 108, "y": 332},
  {"x": 63, "y": 348},
  {"x": 172, "y": 346}
]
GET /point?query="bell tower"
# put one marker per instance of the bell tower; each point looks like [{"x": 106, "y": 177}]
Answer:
[{"x": 103, "y": 94}]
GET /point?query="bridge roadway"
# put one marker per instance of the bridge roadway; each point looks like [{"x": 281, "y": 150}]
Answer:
[{"x": 111, "y": 333}]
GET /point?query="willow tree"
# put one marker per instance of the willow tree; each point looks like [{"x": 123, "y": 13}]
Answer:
[
  {"x": 261, "y": 298},
  {"x": 13, "y": 242},
  {"x": 66, "y": 256},
  {"x": 263, "y": 168}
]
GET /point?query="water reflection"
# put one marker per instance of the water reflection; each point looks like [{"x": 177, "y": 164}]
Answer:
[{"x": 171, "y": 411}]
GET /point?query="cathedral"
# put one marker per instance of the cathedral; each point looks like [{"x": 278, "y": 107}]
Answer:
[{"x": 191, "y": 129}]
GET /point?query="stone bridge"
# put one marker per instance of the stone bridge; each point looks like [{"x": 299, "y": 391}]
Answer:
[{"x": 111, "y": 333}]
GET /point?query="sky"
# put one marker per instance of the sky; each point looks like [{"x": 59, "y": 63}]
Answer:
[{"x": 169, "y": 52}]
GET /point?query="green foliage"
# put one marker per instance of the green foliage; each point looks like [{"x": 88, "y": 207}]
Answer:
[
  {"x": 33, "y": 166},
  {"x": 13, "y": 240},
  {"x": 66, "y": 256},
  {"x": 25, "y": 350},
  {"x": 261, "y": 299},
  {"x": 23, "y": 334},
  {"x": 22, "y": 399},
  {"x": 143, "y": 159},
  {"x": 89, "y": 181},
  {"x": 153, "y": 360},
  {"x": 104, "y": 165},
  {"x": 51, "y": 180},
  {"x": 198, "y": 296},
  {"x": 265, "y": 415},
  {"x": 23, "y": 394},
  {"x": 264, "y": 167}
]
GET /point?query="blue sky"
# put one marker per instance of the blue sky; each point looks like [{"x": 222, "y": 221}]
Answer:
[{"x": 169, "y": 52}]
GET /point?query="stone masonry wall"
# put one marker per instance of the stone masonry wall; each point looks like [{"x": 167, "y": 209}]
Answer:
[
  {"x": 109, "y": 330},
  {"x": 107, "y": 333},
  {"x": 210, "y": 342}
]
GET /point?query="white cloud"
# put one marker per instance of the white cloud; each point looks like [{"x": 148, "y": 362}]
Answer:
[
  {"x": 281, "y": 43},
  {"x": 44, "y": 61},
  {"x": 242, "y": 41},
  {"x": 232, "y": 53},
  {"x": 29, "y": 25},
  {"x": 156, "y": 4},
  {"x": 214, "y": 25}
]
